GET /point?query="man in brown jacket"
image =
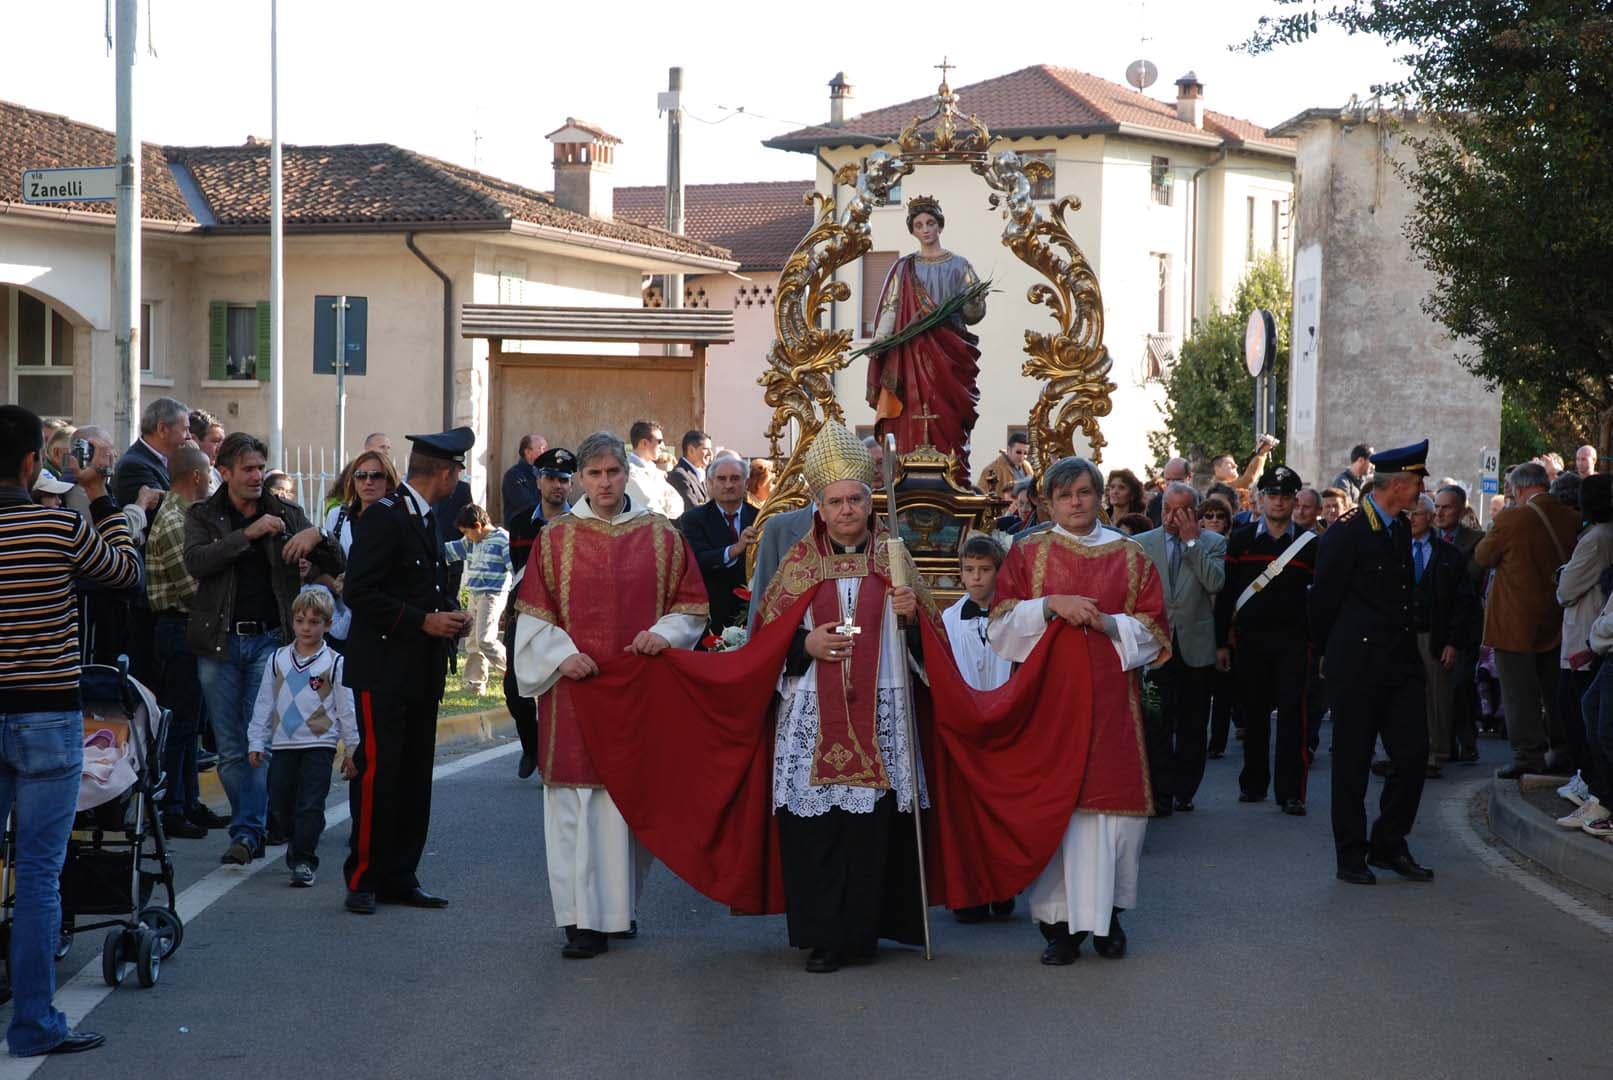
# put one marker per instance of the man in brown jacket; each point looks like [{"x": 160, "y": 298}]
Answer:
[
  {"x": 1001, "y": 475},
  {"x": 1522, "y": 621}
]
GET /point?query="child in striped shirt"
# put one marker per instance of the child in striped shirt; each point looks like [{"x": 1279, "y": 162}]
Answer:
[
  {"x": 302, "y": 706},
  {"x": 486, "y": 550}
]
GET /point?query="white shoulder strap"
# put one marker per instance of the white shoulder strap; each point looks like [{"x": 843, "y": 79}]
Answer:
[{"x": 1276, "y": 567}]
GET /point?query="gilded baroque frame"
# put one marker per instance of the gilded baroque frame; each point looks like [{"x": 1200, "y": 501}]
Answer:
[{"x": 1071, "y": 362}]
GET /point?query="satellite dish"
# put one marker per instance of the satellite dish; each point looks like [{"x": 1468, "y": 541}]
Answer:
[{"x": 1142, "y": 74}]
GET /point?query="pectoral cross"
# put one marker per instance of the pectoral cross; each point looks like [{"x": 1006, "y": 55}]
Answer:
[
  {"x": 945, "y": 67},
  {"x": 848, "y": 629},
  {"x": 924, "y": 416}
]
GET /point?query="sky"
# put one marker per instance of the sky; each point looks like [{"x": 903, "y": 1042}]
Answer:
[{"x": 480, "y": 82}]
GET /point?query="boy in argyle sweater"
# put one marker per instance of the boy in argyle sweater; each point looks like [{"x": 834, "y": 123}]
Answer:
[{"x": 302, "y": 706}]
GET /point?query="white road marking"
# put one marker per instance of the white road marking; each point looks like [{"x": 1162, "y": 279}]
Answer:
[
  {"x": 87, "y": 989},
  {"x": 1454, "y": 813}
]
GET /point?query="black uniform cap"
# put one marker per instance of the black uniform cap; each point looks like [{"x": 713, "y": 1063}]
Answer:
[
  {"x": 1406, "y": 459},
  {"x": 557, "y": 462},
  {"x": 446, "y": 445},
  {"x": 1281, "y": 480}
]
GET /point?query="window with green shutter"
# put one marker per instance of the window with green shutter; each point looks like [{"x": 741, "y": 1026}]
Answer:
[
  {"x": 238, "y": 340},
  {"x": 263, "y": 344}
]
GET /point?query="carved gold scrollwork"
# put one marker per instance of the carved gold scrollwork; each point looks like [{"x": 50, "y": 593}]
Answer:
[{"x": 1072, "y": 363}]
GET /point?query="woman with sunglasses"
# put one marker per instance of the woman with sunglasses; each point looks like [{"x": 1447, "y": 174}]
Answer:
[
  {"x": 1215, "y": 515},
  {"x": 366, "y": 481}
]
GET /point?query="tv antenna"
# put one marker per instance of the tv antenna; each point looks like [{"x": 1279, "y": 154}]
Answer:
[{"x": 1142, "y": 73}]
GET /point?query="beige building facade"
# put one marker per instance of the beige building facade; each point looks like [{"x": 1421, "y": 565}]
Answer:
[{"x": 1368, "y": 365}]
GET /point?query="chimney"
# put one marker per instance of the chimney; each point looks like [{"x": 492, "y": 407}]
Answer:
[
  {"x": 583, "y": 158},
  {"x": 1190, "y": 100},
  {"x": 839, "y": 94}
]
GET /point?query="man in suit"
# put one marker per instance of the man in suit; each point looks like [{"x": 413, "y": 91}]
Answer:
[
  {"x": 688, "y": 476},
  {"x": 1176, "y": 471},
  {"x": 1523, "y": 623},
  {"x": 518, "y": 493},
  {"x": 1261, "y": 638},
  {"x": 1445, "y": 609},
  {"x": 405, "y": 622},
  {"x": 1450, "y": 503},
  {"x": 1361, "y": 615},
  {"x": 720, "y": 532},
  {"x": 1192, "y": 565},
  {"x": 164, "y": 425}
]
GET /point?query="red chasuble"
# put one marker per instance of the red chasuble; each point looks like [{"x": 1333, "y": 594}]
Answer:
[
  {"x": 602, "y": 584},
  {"x": 1121, "y": 579},
  {"x": 684, "y": 743},
  {"x": 925, "y": 390}
]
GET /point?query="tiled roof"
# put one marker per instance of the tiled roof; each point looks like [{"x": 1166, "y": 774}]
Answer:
[
  {"x": 375, "y": 184},
  {"x": 380, "y": 184},
  {"x": 30, "y": 139},
  {"x": 582, "y": 125},
  {"x": 760, "y": 222},
  {"x": 1043, "y": 100}
]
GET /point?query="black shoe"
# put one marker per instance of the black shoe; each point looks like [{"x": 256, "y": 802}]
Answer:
[
  {"x": 206, "y": 761},
  {"x": 527, "y": 766},
  {"x": 360, "y": 903},
  {"x": 1002, "y": 908},
  {"x": 418, "y": 897},
  {"x": 1296, "y": 807},
  {"x": 1163, "y": 809},
  {"x": 75, "y": 1042},
  {"x": 178, "y": 825},
  {"x": 585, "y": 945},
  {"x": 1383, "y": 767},
  {"x": 1063, "y": 947},
  {"x": 1184, "y": 806},
  {"x": 626, "y": 935},
  {"x": 1404, "y": 865},
  {"x": 1433, "y": 773},
  {"x": 1515, "y": 772},
  {"x": 971, "y": 915},
  {"x": 1111, "y": 946},
  {"x": 823, "y": 961},
  {"x": 1216, "y": 755},
  {"x": 1356, "y": 875},
  {"x": 1244, "y": 796},
  {"x": 204, "y": 816},
  {"x": 239, "y": 853}
]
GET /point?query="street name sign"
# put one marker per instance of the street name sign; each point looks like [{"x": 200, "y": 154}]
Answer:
[{"x": 70, "y": 185}]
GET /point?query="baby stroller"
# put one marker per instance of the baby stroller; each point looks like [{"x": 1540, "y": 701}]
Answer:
[{"x": 117, "y": 853}]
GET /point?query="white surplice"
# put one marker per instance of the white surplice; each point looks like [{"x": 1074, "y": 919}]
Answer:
[
  {"x": 796, "y": 738},
  {"x": 1095, "y": 868},
  {"x": 596, "y": 865},
  {"x": 977, "y": 661}
]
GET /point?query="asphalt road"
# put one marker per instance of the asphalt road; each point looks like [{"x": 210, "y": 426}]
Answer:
[{"x": 1247, "y": 958}]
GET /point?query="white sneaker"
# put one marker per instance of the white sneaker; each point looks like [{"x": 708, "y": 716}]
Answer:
[
  {"x": 1575, "y": 791},
  {"x": 1590, "y": 810}
]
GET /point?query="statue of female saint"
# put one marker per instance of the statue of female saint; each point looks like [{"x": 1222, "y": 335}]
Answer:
[{"x": 924, "y": 363}]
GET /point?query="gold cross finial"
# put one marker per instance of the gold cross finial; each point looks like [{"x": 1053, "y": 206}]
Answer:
[
  {"x": 924, "y": 416},
  {"x": 945, "y": 67}
]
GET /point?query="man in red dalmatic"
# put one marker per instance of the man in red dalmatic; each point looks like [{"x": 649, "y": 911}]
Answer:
[
  {"x": 1095, "y": 579},
  {"x": 607, "y": 579}
]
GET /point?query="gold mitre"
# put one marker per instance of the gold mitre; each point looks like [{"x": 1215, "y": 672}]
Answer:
[{"x": 837, "y": 454}]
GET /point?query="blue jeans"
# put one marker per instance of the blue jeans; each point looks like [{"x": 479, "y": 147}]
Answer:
[
  {"x": 41, "y": 756},
  {"x": 230, "y": 687}
]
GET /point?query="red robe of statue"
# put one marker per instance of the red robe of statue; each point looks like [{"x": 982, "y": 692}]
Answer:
[{"x": 925, "y": 391}]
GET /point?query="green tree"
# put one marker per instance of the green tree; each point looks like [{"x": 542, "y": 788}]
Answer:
[
  {"x": 1515, "y": 195},
  {"x": 1209, "y": 396}
]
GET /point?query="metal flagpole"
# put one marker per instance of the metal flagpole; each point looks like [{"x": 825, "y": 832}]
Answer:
[
  {"x": 126, "y": 237},
  {"x": 896, "y": 551},
  {"x": 277, "y": 291}
]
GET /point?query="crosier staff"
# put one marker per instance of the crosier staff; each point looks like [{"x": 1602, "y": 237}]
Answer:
[{"x": 896, "y": 552}]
